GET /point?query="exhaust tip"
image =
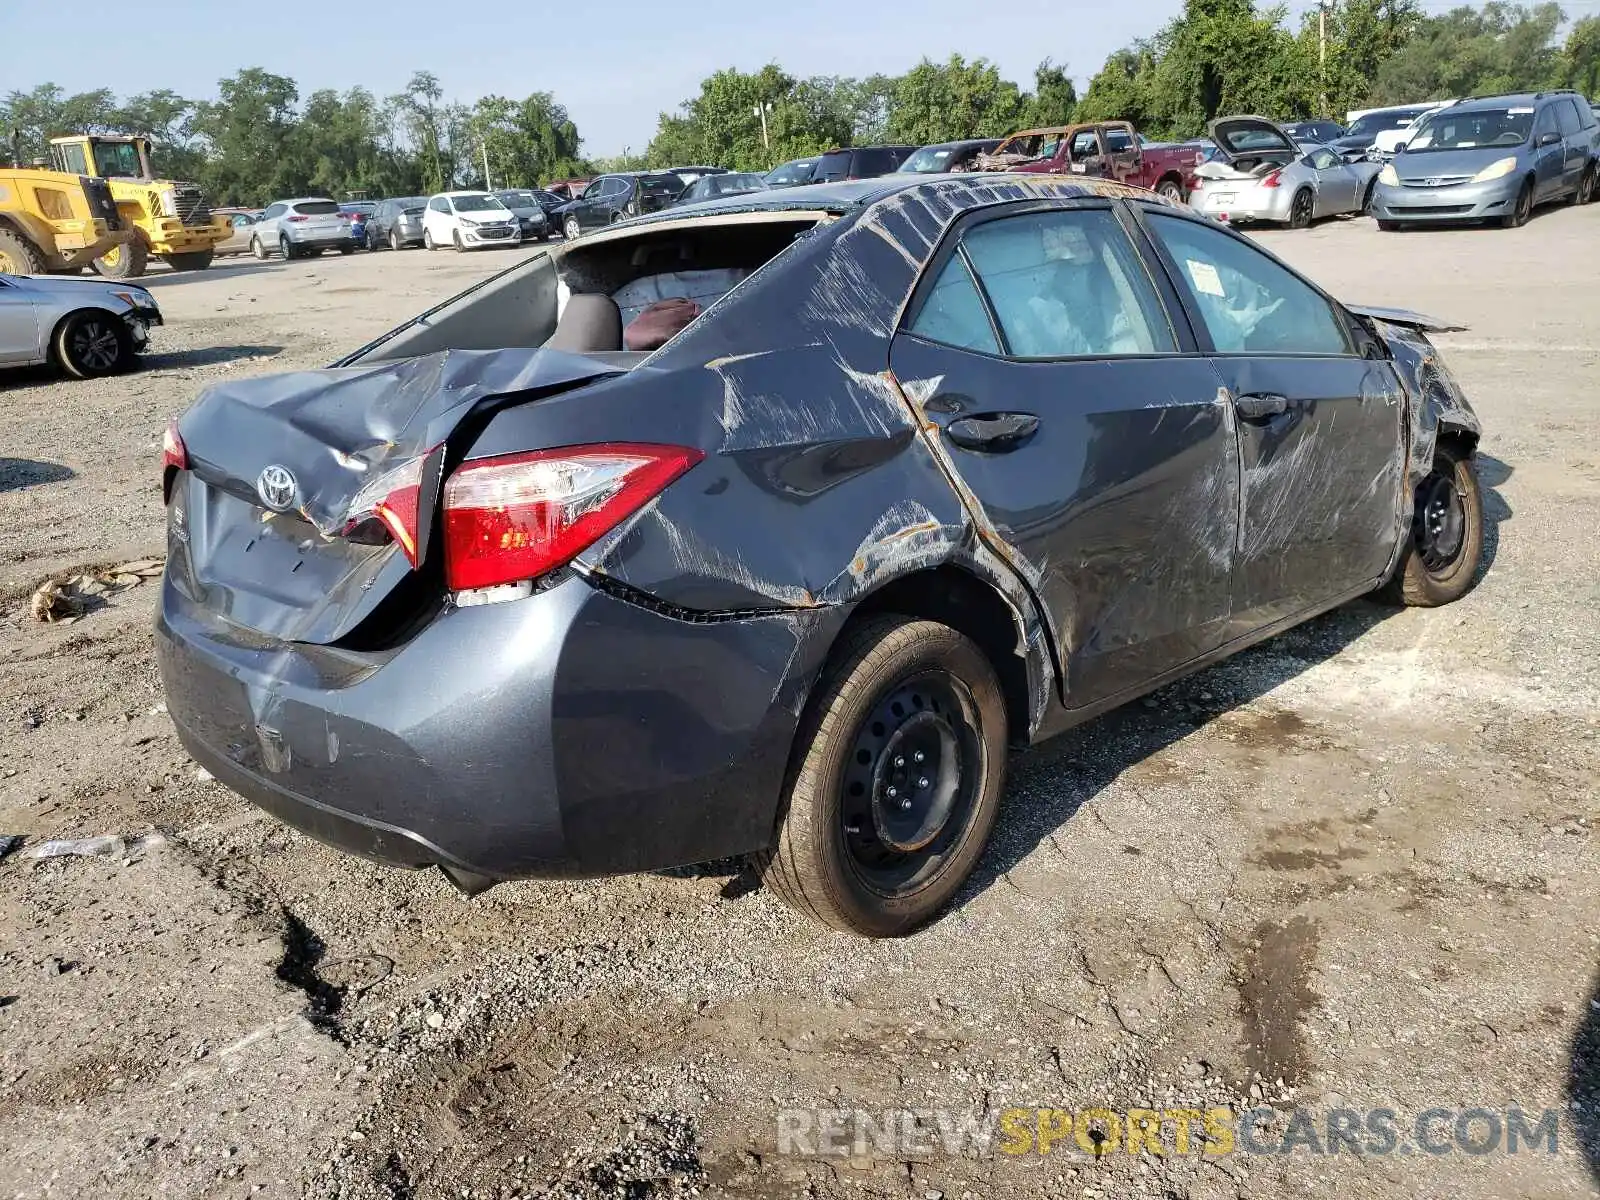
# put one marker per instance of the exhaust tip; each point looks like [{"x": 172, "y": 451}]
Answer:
[{"x": 468, "y": 883}]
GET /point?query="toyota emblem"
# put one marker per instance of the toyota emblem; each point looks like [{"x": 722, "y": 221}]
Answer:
[{"x": 276, "y": 487}]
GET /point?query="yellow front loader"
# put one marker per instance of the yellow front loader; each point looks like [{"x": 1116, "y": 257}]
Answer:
[
  {"x": 170, "y": 220},
  {"x": 50, "y": 221}
]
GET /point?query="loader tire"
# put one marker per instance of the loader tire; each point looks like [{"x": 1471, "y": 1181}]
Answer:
[
  {"x": 195, "y": 260},
  {"x": 18, "y": 255},
  {"x": 127, "y": 261}
]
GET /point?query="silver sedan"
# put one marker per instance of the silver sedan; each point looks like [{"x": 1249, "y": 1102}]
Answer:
[
  {"x": 87, "y": 327},
  {"x": 1259, "y": 173}
]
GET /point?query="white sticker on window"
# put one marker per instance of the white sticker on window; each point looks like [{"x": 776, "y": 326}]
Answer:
[
  {"x": 1206, "y": 280},
  {"x": 1519, "y": 112}
]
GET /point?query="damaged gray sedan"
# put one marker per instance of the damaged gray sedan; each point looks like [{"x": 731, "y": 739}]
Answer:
[{"x": 766, "y": 529}]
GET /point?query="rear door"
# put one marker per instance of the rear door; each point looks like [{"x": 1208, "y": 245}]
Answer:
[
  {"x": 1090, "y": 433},
  {"x": 1319, "y": 419},
  {"x": 19, "y": 325}
]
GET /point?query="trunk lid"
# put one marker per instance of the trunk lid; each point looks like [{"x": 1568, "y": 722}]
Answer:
[
  {"x": 1240, "y": 137},
  {"x": 274, "y": 510}
]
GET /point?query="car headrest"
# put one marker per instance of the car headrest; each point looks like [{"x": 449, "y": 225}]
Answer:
[{"x": 588, "y": 323}]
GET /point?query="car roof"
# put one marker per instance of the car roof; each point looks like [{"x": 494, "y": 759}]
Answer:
[
  {"x": 848, "y": 195},
  {"x": 1510, "y": 99},
  {"x": 465, "y": 192},
  {"x": 307, "y": 200}
]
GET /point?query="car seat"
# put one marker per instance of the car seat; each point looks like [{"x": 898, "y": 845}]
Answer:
[{"x": 589, "y": 324}]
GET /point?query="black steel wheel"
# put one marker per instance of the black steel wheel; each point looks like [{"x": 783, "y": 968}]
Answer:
[
  {"x": 1300, "y": 209},
  {"x": 895, "y": 779},
  {"x": 1440, "y": 559},
  {"x": 91, "y": 344}
]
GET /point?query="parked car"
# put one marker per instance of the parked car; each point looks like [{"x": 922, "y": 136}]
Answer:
[
  {"x": 1260, "y": 173},
  {"x": 793, "y": 173},
  {"x": 1107, "y": 149},
  {"x": 525, "y": 206},
  {"x": 695, "y": 174},
  {"x": 468, "y": 220},
  {"x": 297, "y": 227},
  {"x": 1361, "y": 136},
  {"x": 1386, "y": 141},
  {"x": 242, "y": 221},
  {"x": 725, "y": 183},
  {"x": 396, "y": 222},
  {"x": 793, "y": 588},
  {"x": 359, "y": 212},
  {"x": 947, "y": 156},
  {"x": 859, "y": 162},
  {"x": 1492, "y": 159},
  {"x": 613, "y": 198},
  {"x": 86, "y": 327},
  {"x": 1315, "y": 133}
]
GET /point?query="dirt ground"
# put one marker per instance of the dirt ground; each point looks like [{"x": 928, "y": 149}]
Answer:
[{"x": 1353, "y": 868}]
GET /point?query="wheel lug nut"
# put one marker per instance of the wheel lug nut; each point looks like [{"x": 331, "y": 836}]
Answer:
[
  {"x": 899, "y": 760},
  {"x": 923, "y": 782},
  {"x": 918, "y": 756},
  {"x": 904, "y": 804},
  {"x": 893, "y": 792}
]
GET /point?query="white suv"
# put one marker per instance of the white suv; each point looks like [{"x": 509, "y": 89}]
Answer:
[
  {"x": 306, "y": 226},
  {"x": 464, "y": 219}
]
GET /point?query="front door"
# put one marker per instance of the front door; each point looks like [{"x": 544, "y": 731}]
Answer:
[
  {"x": 1337, "y": 184},
  {"x": 1549, "y": 156},
  {"x": 19, "y": 327},
  {"x": 1043, "y": 350},
  {"x": 1320, "y": 423}
]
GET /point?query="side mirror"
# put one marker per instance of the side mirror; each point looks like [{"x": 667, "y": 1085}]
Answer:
[{"x": 1549, "y": 139}]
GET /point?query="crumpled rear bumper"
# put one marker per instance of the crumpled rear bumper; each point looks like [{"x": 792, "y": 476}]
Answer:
[{"x": 568, "y": 733}]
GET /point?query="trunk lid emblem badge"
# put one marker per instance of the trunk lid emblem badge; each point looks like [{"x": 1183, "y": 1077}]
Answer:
[{"x": 277, "y": 488}]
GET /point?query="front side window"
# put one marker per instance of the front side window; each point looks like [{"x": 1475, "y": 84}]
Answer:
[
  {"x": 1249, "y": 303},
  {"x": 116, "y": 158},
  {"x": 276, "y": 210},
  {"x": 74, "y": 161},
  {"x": 1325, "y": 160},
  {"x": 439, "y": 204}
]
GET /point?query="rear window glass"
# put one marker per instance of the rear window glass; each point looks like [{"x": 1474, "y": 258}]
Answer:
[
  {"x": 661, "y": 185},
  {"x": 837, "y": 163},
  {"x": 316, "y": 208},
  {"x": 928, "y": 161}
]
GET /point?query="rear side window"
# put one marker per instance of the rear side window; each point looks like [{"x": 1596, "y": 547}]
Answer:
[
  {"x": 1249, "y": 303},
  {"x": 1567, "y": 117},
  {"x": 953, "y": 312},
  {"x": 316, "y": 208},
  {"x": 833, "y": 166},
  {"x": 276, "y": 210}
]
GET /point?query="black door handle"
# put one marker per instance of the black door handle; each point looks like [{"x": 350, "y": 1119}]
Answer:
[
  {"x": 993, "y": 432},
  {"x": 1260, "y": 406}
]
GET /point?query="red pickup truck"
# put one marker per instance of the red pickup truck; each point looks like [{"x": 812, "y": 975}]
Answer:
[{"x": 1109, "y": 149}]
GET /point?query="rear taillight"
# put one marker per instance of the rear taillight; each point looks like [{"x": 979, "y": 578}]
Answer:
[
  {"x": 1272, "y": 179},
  {"x": 392, "y": 499},
  {"x": 296, "y": 218},
  {"x": 519, "y": 516},
  {"x": 173, "y": 452}
]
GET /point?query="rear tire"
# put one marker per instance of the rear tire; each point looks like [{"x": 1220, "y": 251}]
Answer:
[
  {"x": 1585, "y": 192},
  {"x": 350, "y": 249},
  {"x": 1300, "y": 209},
  {"x": 1171, "y": 189},
  {"x": 19, "y": 256},
  {"x": 90, "y": 344},
  {"x": 852, "y": 854},
  {"x": 571, "y": 230},
  {"x": 197, "y": 260},
  {"x": 286, "y": 248},
  {"x": 1445, "y": 545},
  {"x": 127, "y": 261},
  {"x": 394, "y": 240}
]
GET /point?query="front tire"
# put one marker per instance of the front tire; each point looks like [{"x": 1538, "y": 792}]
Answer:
[
  {"x": 1366, "y": 196},
  {"x": 260, "y": 251},
  {"x": 1522, "y": 209},
  {"x": 125, "y": 261},
  {"x": 196, "y": 260},
  {"x": 427, "y": 240},
  {"x": 1388, "y": 226},
  {"x": 19, "y": 256},
  {"x": 1171, "y": 189},
  {"x": 1441, "y": 557},
  {"x": 455, "y": 239},
  {"x": 91, "y": 344},
  {"x": 895, "y": 780},
  {"x": 570, "y": 230}
]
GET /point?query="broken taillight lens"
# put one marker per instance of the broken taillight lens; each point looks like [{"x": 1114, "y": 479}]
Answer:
[
  {"x": 1272, "y": 178},
  {"x": 519, "y": 516},
  {"x": 173, "y": 452},
  {"x": 393, "y": 499}
]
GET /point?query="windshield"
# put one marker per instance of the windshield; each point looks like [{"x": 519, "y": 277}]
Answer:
[
  {"x": 477, "y": 204},
  {"x": 929, "y": 161},
  {"x": 116, "y": 158},
  {"x": 518, "y": 199},
  {"x": 1377, "y": 122},
  {"x": 1456, "y": 130}
]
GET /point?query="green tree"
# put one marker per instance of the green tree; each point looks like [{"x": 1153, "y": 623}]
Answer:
[
  {"x": 1579, "y": 64},
  {"x": 1054, "y": 100},
  {"x": 1466, "y": 51},
  {"x": 935, "y": 102},
  {"x": 250, "y": 132}
]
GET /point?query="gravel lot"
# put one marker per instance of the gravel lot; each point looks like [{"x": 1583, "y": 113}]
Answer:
[{"x": 1354, "y": 867}]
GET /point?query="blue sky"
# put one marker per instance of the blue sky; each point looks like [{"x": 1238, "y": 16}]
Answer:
[{"x": 615, "y": 64}]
